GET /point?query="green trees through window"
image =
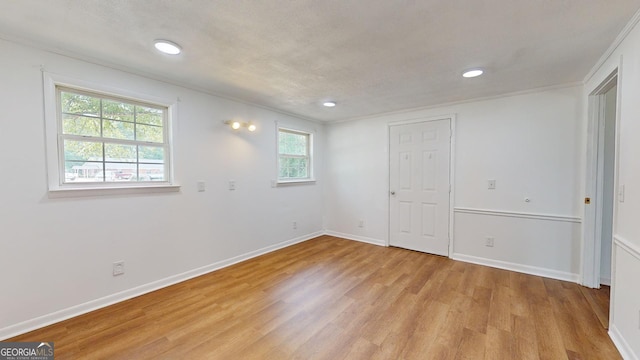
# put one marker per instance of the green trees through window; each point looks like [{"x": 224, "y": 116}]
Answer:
[
  {"x": 294, "y": 155},
  {"x": 108, "y": 139}
]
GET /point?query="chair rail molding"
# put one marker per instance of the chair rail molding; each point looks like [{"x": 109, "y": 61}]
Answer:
[{"x": 517, "y": 214}]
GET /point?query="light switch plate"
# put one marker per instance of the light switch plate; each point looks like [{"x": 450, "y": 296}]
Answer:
[
  {"x": 118, "y": 268},
  {"x": 488, "y": 241},
  {"x": 491, "y": 184}
]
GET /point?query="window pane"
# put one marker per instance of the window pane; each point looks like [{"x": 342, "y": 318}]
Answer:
[
  {"x": 146, "y": 153},
  {"x": 156, "y": 176},
  {"x": 80, "y": 171},
  {"x": 106, "y": 176},
  {"x": 80, "y": 125},
  {"x": 120, "y": 153},
  {"x": 293, "y": 168},
  {"x": 120, "y": 171},
  {"x": 151, "y": 172},
  {"x": 82, "y": 150},
  {"x": 117, "y": 110},
  {"x": 149, "y": 133},
  {"x": 80, "y": 104},
  {"x": 146, "y": 115},
  {"x": 293, "y": 144},
  {"x": 118, "y": 130},
  {"x": 303, "y": 169},
  {"x": 284, "y": 167}
]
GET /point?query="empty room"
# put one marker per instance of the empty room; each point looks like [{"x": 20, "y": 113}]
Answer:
[{"x": 319, "y": 179}]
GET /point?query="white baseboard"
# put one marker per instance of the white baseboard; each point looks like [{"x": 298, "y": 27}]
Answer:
[
  {"x": 73, "y": 311},
  {"x": 363, "y": 239},
  {"x": 527, "y": 269},
  {"x": 605, "y": 281},
  {"x": 622, "y": 345},
  {"x": 532, "y": 270}
]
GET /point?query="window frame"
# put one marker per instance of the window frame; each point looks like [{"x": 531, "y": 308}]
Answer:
[
  {"x": 53, "y": 86},
  {"x": 311, "y": 161}
]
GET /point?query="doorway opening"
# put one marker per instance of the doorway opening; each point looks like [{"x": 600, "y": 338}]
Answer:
[{"x": 599, "y": 225}]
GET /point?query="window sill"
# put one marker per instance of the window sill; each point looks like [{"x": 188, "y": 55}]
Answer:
[
  {"x": 295, "y": 182},
  {"x": 106, "y": 191}
]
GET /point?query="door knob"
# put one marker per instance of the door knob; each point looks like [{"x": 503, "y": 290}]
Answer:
[{"x": 393, "y": 193}]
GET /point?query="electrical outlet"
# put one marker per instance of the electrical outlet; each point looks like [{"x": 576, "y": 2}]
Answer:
[
  {"x": 488, "y": 241},
  {"x": 232, "y": 184},
  {"x": 118, "y": 268},
  {"x": 201, "y": 186},
  {"x": 361, "y": 223},
  {"x": 295, "y": 225}
]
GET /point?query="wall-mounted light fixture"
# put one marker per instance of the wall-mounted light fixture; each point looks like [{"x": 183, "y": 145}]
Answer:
[{"x": 236, "y": 125}]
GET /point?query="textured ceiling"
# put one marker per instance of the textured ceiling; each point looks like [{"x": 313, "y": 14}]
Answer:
[{"x": 371, "y": 56}]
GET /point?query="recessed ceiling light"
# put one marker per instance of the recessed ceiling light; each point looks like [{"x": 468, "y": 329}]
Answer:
[
  {"x": 167, "y": 47},
  {"x": 472, "y": 73},
  {"x": 329, "y": 103}
]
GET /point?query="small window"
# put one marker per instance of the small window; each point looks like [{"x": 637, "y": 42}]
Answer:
[{"x": 294, "y": 156}]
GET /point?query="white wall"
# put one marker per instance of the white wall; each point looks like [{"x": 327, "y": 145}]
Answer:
[
  {"x": 625, "y": 292},
  {"x": 57, "y": 254},
  {"x": 529, "y": 143}
]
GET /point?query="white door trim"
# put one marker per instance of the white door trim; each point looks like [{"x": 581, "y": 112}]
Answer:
[
  {"x": 592, "y": 222},
  {"x": 452, "y": 124}
]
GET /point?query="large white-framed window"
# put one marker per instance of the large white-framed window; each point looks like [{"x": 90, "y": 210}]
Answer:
[
  {"x": 295, "y": 156},
  {"x": 99, "y": 138}
]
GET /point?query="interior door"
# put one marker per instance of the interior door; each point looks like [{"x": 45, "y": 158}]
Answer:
[{"x": 419, "y": 186}]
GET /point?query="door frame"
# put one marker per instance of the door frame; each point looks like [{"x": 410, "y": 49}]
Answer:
[
  {"x": 452, "y": 141},
  {"x": 594, "y": 180}
]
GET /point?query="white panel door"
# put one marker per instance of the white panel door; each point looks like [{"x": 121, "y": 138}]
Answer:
[{"x": 419, "y": 186}]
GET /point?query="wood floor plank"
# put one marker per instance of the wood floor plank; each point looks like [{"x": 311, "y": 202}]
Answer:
[
  {"x": 330, "y": 298},
  {"x": 500, "y": 344},
  {"x": 500, "y": 308},
  {"x": 551, "y": 343},
  {"x": 478, "y": 316},
  {"x": 362, "y": 349},
  {"x": 429, "y": 318},
  {"x": 599, "y": 301},
  {"x": 472, "y": 346}
]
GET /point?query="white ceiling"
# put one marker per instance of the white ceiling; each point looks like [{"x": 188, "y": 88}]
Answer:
[{"x": 371, "y": 56}]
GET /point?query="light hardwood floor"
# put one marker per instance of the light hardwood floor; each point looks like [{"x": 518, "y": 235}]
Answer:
[{"x": 330, "y": 298}]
